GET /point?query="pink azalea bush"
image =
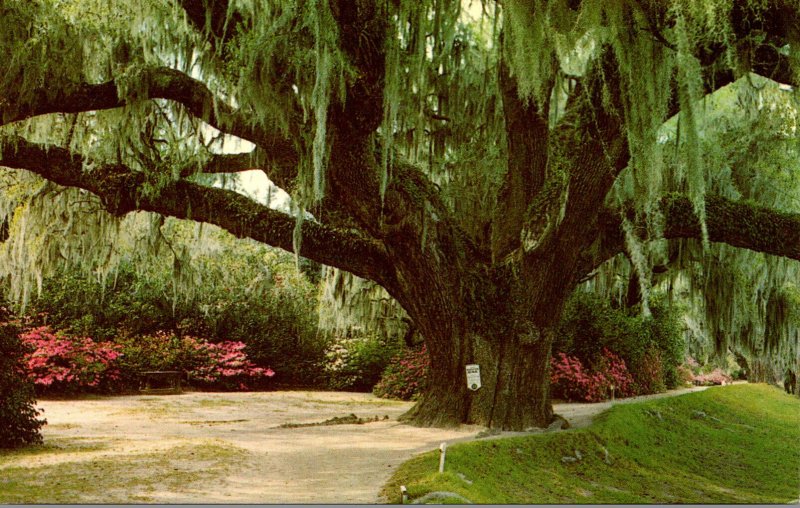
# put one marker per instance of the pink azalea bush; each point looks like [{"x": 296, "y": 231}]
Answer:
[
  {"x": 692, "y": 372},
  {"x": 405, "y": 376},
  {"x": 715, "y": 377},
  {"x": 571, "y": 380},
  {"x": 60, "y": 363},
  {"x": 226, "y": 365}
]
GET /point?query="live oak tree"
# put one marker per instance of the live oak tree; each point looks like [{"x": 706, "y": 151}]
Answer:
[{"x": 467, "y": 157}]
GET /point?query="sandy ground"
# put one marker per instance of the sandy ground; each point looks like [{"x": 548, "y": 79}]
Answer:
[{"x": 319, "y": 464}]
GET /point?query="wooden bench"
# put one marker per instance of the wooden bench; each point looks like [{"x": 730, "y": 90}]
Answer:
[{"x": 160, "y": 382}]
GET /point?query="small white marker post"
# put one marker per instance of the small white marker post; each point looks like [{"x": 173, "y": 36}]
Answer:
[
  {"x": 403, "y": 494},
  {"x": 473, "y": 376},
  {"x": 442, "y": 453}
]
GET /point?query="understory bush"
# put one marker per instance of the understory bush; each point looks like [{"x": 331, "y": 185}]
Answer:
[
  {"x": 58, "y": 363},
  {"x": 652, "y": 347},
  {"x": 608, "y": 377},
  {"x": 264, "y": 302},
  {"x": 225, "y": 365},
  {"x": 648, "y": 371},
  {"x": 19, "y": 422},
  {"x": 703, "y": 375},
  {"x": 356, "y": 363},
  {"x": 405, "y": 376}
]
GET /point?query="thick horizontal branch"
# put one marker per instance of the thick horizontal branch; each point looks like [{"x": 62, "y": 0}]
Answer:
[
  {"x": 739, "y": 224},
  {"x": 736, "y": 223},
  {"x": 169, "y": 84},
  {"x": 119, "y": 190}
]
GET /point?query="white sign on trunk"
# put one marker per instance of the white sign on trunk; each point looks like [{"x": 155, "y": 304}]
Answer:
[{"x": 473, "y": 376}]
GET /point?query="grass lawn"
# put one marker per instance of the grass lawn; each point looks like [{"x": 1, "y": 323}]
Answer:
[
  {"x": 113, "y": 478},
  {"x": 732, "y": 444}
]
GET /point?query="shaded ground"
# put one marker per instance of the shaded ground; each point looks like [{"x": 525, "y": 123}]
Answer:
[{"x": 229, "y": 448}]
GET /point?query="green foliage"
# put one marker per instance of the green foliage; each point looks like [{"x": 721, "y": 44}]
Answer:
[
  {"x": 590, "y": 324},
  {"x": 649, "y": 372},
  {"x": 406, "y": 375},
  {"x": 734, "y": 444},
  {"x": 19, "y": 422},
  {"x": 357, "y": 363},
  {"x": 236, "y": 291},
  {"x": 160, "y": 351}
]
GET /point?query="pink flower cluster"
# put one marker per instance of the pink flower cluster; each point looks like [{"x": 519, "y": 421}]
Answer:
[
  {"x": 405, "y": 376},
  {"x": 68, "y": 362},
  {"x": 571, "y": 380},
  {"x": 716, "y": 377},
  {"x": 57, "y": 362},
  {"x": 225, "y": 360}
]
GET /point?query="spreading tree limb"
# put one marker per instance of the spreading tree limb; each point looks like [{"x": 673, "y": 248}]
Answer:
[
  {"x": 121, "y": 191},
  {"x": 280, "y": 155}
]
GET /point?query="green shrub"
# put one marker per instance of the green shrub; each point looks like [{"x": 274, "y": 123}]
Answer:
[
  {"x": 19, "y": 423},
  {"x": 280, "y": 333},
  {"x": 405, "y": 376},
  {"x": 357, "y": 363},
  {"x": 652, "y": 347},
  {"x": 666, "y": 334},
  {"x": 276, "y": 318},
  {"x": 158, "y": 351},
  {"x": 648, "y": 372}
]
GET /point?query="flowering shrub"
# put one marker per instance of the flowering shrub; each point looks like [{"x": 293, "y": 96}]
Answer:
[
  {"x": 357, "y": 363},
  {"x": 225, "y": 365},
  {"x": 160, "y": 351},
  {"x": 715, "y": 377},
  {"x": 58, "y": 362},
  {"x": 649, "y": 372},
  {"x": 685, "y": 375},
  {"x": 405, "y": 376},
  {"x": 572, "y": 381}
]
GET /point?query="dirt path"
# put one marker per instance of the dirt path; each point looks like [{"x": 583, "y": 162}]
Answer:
[{"x": 267, "y": 463}]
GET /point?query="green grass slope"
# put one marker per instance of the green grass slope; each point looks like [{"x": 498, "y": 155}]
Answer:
[{"x": 733, "y": 444}]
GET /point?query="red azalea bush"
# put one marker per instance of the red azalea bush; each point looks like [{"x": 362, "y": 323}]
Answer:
[
  {"x": 570, "y": 380},
  {"x": 60, "y": 363},
  {"x": 405, "y": 376}
]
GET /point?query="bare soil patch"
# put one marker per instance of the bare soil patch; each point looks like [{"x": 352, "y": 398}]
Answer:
[
  {"x": 267, "y": 447},
  {"x": 340, "y": 463}
]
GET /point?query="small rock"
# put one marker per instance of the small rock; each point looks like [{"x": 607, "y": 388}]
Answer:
[
  {"x": 606, "y": 457},
  {"x": 559, "y": 422},
  {"x": 568, "y": 460},
  {"x": 698, "y": 414},
  {"x": 487, "y": 433},
  {"x": 518, "y": 450},
  {"x": 578, "y": 454},
  {"x": 654, "y": 413},
  {"x": 464, "y": 478}
]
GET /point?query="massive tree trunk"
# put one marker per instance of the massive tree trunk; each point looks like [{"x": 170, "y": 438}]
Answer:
[{"x": 512, "y": 354}]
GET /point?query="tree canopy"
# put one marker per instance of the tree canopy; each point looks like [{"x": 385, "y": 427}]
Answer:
[{"x": 477, "y": 160}]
